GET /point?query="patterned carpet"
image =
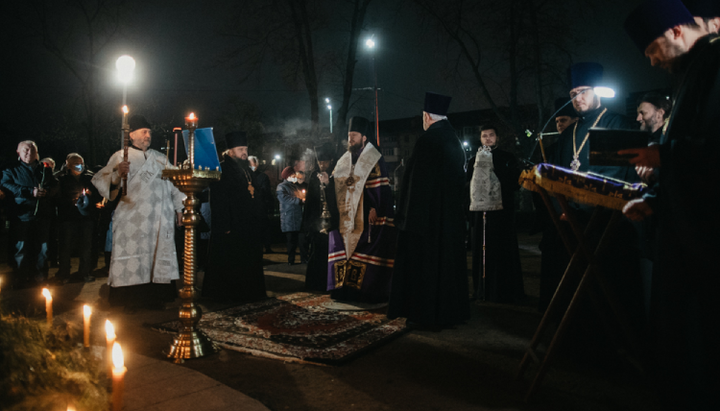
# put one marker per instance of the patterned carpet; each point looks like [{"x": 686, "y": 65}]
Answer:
[{"x": 296, "y": 327}]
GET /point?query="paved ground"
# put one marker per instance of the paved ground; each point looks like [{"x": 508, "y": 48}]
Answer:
[{"x": 471, "y": 367}]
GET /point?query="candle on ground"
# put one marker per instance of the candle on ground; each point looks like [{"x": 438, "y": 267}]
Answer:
[
  {"x": 118, "y": 377},
  {"x": 48, "y": 304},
  {"x": 110, "y": 338},
  {"x": 87, "y": 313}
]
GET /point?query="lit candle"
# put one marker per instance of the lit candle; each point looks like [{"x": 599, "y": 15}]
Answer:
[
  {"x": 48, "y": 304},
  {"x": 110, "y": 338},
  {"x": 70, "y": 407},
  {"x": 125, "y": 119},
  {"x": 87, "y": 313},
  {"x": 191, "y": 120},
  {"x": 118, "y": 377}
]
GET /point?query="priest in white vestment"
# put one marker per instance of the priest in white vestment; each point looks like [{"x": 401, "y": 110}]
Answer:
[{"x": 143, "y": 225}]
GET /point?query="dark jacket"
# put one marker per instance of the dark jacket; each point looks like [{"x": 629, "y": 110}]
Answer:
[
  {"x": 290, "y": 206},
  {"x": 20, "y": 181},
  {"x": 70, "y": 190}
]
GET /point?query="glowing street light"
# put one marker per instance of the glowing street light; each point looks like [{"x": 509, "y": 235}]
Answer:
[
  {"x": 327, "y": 100},
  {"x": 370, "y": 43}
]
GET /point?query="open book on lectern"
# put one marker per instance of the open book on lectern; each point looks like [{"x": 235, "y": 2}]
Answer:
[
  {"x": 605, "y": 143},
  {"x": 205, "y": 149}
]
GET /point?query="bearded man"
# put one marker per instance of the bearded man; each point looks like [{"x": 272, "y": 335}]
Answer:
[
  {"x": 235, "y": 271},
  {"x": 144, "y": 262},
  {"x": 684, "y": 309},
  {"x": 361, "y": 251}
]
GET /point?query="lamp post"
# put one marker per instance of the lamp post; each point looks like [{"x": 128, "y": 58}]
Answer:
[
  {"x": 327, "y": 100},
  {"x": 370, "y": 43}
]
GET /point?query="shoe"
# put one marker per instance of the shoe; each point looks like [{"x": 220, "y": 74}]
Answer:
[
  {"x": 289, "y": 263},
  {"x": 88, "y": 278}
]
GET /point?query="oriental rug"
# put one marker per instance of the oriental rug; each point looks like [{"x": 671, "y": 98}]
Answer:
[{"x": 297, "y": 328}]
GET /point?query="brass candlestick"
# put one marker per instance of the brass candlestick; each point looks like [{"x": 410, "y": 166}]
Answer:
[{"x": 190, "y": 341}]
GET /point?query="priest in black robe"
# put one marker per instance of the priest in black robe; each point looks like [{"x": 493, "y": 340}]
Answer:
[
  {"x": 430, "y": 283},
  {"x": 572, "y": 151},
  {"x": 235, "y": 270},
  {"x": 684, "y": 310},
  {"x": 317, "y": 197}
]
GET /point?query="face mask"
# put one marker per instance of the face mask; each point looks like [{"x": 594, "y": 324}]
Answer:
[
  {"x": 253, "y": 168},
  {"x": 79, "y": 168},
  {"x": 292, "y": 179}
]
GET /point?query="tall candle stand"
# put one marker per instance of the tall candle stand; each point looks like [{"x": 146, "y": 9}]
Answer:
[{"x": 190, "y": 342}]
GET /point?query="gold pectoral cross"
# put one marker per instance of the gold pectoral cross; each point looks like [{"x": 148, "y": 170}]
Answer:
[{"x": 251, "y": 189}]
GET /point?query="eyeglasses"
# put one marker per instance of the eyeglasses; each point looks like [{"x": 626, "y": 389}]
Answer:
[{"x": 574, "y": 94}]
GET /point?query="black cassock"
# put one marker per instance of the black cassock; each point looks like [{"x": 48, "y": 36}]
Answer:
[
  {"x": 430, "y": 281},
  {"x": 685, "y": 314},
  {"x": 504, "y": 282},
  {"x": 235, "y": 271}
]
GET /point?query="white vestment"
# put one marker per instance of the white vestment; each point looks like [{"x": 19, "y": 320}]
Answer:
[{"x": 143, "y": 246}]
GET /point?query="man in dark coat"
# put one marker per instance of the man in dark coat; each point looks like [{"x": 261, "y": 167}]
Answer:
[
  {"x": 685, "y": 313},
  {"x": 492, "y": 219},
  {"x": 262, "y": 182},
  {"x": 315, "y": 203},
  {"x": 235, "y": 270},
  {"x": 430, "y": 283},
  {"x": 76, "y": 216},
  {"x": 573, "y": 149},
  {"x": 32, "y": 186}
]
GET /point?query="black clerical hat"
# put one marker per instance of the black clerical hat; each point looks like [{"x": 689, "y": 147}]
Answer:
[
  {"x": 652, "y": 18},
  {"x": 436, "y": 103},
  {"x": 706, "y": 9},
  {"x": 137, "y": 122},
  {"x": 568, "y": 110},
  {"x": 236, "y": 139},
  {"x": 325, "y": 152},
  {"x": 361, "y": 125},
  {"x": 587, "y": 74}
]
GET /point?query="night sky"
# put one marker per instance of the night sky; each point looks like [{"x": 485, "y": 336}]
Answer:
[{"x": 177, "y": 44}]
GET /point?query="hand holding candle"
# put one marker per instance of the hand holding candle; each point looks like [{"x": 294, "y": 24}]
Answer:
[
  {"x": 118, "y": 377},
  {"x": 48, "y": 305},
  {"x": 87, "y": 313}
]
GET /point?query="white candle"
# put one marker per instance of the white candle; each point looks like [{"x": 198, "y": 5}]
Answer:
[
  {"x": 118, "y": 377},
  {"x": 110, "y": 339},
  {"x": 48, "y": 305},
  {"x": 87, "y": 313}
]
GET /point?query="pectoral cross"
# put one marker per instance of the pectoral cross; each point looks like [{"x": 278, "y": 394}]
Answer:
[{"x": 251, "y": 189}]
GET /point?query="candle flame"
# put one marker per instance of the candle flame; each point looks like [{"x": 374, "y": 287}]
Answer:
[
  {"x": 192, "y": 116},
  {"x": 87, "y": 311},
  {"x": 46, "y": 293},
  {"x": 109, "y": 330},
  {"x": 117, "y": 357},
  {"x": 70, "y": 407},
  {"x": 125, "y": 109}
]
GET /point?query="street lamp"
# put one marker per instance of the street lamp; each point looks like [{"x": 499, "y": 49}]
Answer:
[
  {"x": 327, "y": 100},
  {"x": 370, "y": 43}
]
